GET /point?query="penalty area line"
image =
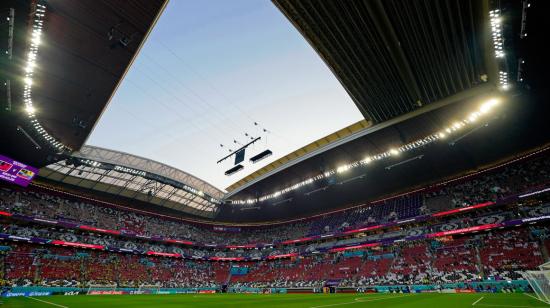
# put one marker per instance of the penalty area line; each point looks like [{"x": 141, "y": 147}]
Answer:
[{"x": 50, "y": 303}]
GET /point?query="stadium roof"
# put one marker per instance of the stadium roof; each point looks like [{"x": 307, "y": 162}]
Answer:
[
  {"x": 66, "y": 60},
  {"x": 135, "y": 177}
]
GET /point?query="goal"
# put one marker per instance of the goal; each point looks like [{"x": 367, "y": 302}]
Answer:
[
  {"x": 107, "y": 288},
  {"x": 540, "y": 281},
  {"x": 149, "y": 288}
]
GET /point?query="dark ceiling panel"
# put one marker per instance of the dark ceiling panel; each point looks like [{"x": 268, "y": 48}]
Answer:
[
  {"x": 395, "y": 56},
  {"x": 83, "y": 59}
]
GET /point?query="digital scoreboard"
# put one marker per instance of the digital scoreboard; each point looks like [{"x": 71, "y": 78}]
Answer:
[{"x": 15, "y": 172}]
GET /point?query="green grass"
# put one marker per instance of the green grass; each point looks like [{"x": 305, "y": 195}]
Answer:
[{"x": 426, "y": 300}]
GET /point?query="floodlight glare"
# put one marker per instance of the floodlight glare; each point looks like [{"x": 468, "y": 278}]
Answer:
[
  {"x": 488, "y": 105},
  {"x": 30, "y": 109},
  {"x": 36, "y": 40}
]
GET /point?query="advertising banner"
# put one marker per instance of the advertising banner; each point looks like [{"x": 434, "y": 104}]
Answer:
[
  {"x": 15, "y": 294},
  {"x": 109, "y": 292}
]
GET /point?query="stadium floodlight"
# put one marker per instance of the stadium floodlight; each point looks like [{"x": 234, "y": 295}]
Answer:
[
  {"x": 456, "y": 125},
  {"x": 496, "y": 30},
  {"x": 31, "y": 60},
  {"x": 496, "y": 22},
  {"x": 488, "y": 105},
  {"x": 342, "y": 168},
  {"x": 29, "y": 69},
  {"x": 30, "y": 109},
  {"x": 394, "y": 152},
  {"x": 36, "y": 40}
]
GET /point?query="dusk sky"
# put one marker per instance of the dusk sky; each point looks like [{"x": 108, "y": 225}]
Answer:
[{"x": 208, "y": 71}]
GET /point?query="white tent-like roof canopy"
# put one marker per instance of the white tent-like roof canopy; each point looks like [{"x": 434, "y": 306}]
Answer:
[{"x": 136, "y": 177}]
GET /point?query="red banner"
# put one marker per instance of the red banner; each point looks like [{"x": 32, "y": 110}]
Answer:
[
  {"x": 288, "y": 255},
  {"x": 467, "y": 208},
  {"x": 354, "y": 247},
  {"x": 84, "y": 227},
  {"x": 81, "y": 245},
  {"x": 226, "y": 258},
  {"x": 164, "y": 254},
  {"x": 179, "y": 242},
  {"x": 304, "y": 239},
  {"x": 464, "y": 230}
]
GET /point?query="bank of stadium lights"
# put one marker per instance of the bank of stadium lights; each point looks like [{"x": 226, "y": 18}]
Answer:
[
  {"x": 503, "y": 80},
  {"x": 498, "y": 45},
  {"x": 496, "y": 32},
  {"x": 30, "y": 64},
  {"x": 483, "y": 109},
  {"x": 343, "y": 168}
]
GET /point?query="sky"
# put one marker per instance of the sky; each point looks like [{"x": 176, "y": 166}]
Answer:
[{"x": 207, "y": 72}]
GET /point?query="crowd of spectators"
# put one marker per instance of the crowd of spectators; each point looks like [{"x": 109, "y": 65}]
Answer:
[
  {"x": 499, "y": 255},
  {"x": 25, "y": 231},
  {"x": 485, "y": 187},
  {"x": 493, "y": 185}
]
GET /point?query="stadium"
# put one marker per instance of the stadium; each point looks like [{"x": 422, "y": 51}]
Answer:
[{"x": 284, "y": 153}]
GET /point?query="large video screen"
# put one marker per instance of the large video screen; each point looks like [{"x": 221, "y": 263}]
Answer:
[{"x": 16, "y": 172}]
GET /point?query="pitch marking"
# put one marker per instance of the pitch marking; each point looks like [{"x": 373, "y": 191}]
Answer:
[
  {"x": 494, "y": 305},
  {"x": 361, "y": 301},
  {"x": 36, "y": 299},
  {"x": 479, "y": 300}
]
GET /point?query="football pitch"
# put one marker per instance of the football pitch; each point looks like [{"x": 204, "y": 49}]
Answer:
[{"x": 425, "y": 300}]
